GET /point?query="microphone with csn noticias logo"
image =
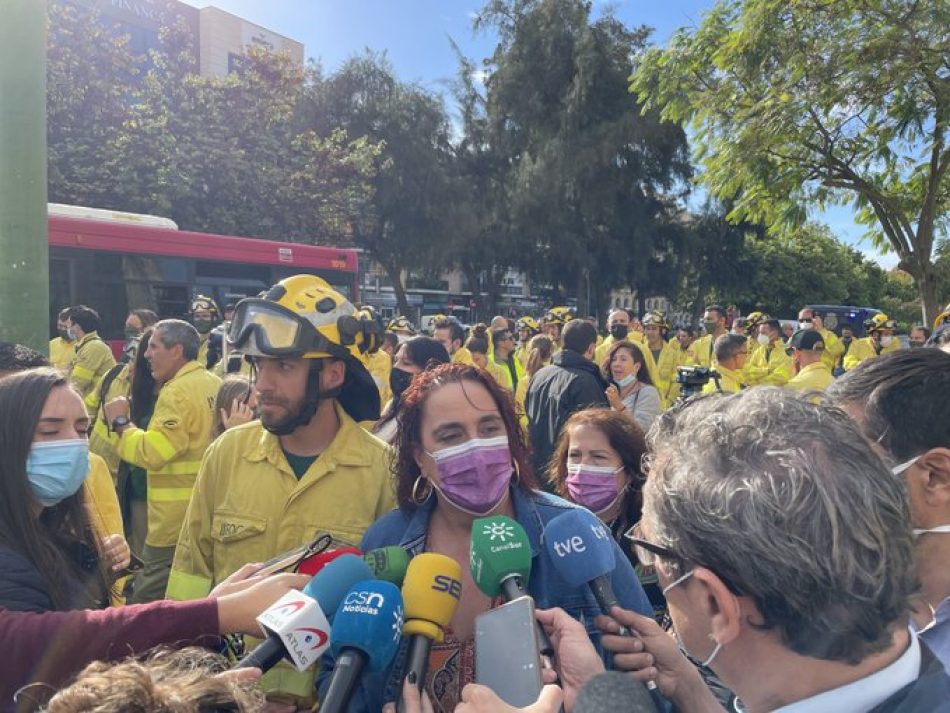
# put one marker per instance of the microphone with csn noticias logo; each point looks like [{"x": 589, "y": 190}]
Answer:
[
  {"x": 431, "y": 595},
  {"x": 388, "y": 563},
  {"x": 501, "y": 564},
  {"x": 365, "y": 634},
  {"x": 296, "y": 625}
]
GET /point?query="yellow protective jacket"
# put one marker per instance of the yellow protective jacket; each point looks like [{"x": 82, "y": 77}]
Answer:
[
  {"x": 248, "y": 507},
  {"x": 814, "y": 377},
  {"x": 521, "y": 354},
  {"x": 102, "y": 508},
  {"x": 834, "y": 348},
  {"x": 61, "y": 353},
  {"x": 866, "y": 348},
  {"x": 463, "y": 356},
  {"x": 91, "y": 359},
  {"x": 502, "y": 373},
  {"x": 171, "y": 449},
  {"x": 671, "y": 357},
  {"x": 700, "y": 352},
  {"x": 102, "y": 441},
  {"x": 729, "y": 382},
  {"x": 380, "y": 365},
  {"x": 769, "y": 364}
]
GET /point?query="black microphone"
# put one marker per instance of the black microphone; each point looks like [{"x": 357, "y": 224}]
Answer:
[{"x": 613, "y": 692}]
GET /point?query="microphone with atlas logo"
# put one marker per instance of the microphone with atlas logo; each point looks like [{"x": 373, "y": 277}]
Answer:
[
  {"x": 430, "y": 593},
  {"x": 366, "y": 632},
  {"x": 296, "y": 624}
]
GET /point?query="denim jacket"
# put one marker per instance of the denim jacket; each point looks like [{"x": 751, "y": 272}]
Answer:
[{"x": 533, "y": 510}]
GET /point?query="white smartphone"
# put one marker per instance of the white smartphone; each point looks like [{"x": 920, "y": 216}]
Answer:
[{"x": 507, "y": 656}]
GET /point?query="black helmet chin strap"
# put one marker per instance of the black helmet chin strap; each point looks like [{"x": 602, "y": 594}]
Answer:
[{"x": 310, "y": 404}]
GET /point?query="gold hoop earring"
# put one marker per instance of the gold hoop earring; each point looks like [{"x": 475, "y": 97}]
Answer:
[{"x": 415, "y": 490}]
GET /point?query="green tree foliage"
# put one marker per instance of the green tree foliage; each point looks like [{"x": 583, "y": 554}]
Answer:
[
  {"x": 217, "y": 154},
  {"x": 811, "y": 103},
  {"x": 405, "y": 218},
  {"x": 585, "y": 171}
]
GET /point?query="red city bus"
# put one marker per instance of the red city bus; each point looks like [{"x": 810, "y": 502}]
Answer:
[{"x": 115, "y": 262}]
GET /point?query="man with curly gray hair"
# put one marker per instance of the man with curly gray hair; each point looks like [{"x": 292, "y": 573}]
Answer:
[{"x": 784, "y": 547}]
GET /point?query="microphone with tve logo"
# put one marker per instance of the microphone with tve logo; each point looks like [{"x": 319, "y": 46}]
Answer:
[
  {"x": 582, "y": 551},
  {"x": 388, "y": 563},
  {"x": 430, "y": 593},
  {"x": 296, "y": 625},
  {"x": 501, "y": 564},
  {"x": 366, "y": 632}
]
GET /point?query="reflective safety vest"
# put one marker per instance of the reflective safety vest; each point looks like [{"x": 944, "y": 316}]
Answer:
[{"x": 172, "y": 448}]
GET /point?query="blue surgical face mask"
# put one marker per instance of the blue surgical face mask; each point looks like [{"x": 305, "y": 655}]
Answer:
[{"x": 57, "y": 469}]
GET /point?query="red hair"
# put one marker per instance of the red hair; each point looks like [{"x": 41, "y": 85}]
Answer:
[{"x": 409, "y": 434}]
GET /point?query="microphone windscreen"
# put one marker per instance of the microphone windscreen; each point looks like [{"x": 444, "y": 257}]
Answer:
[
  {"x": 314, "y": 563},
  {"x": 369, "y": 619},
  {"x": 580, "y": 547},
  {"x": 614, "y": 692},
  {"x": 499, "y": 549},
  {"x": 431, "y": 593},
  {"x": 388, "y": 563},
  {"x": 333, "y": 582}
]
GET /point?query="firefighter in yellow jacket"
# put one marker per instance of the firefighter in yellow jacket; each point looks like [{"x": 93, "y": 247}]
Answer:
[
  {"x": 92, "y": 357},
  {"x": 880, "y": 340},
  {"x": 769, "y": 364},
  {"x": 172, "y": 447},
  {"x": 268, "y": 486},
  {"x": 666, "y": 356}
]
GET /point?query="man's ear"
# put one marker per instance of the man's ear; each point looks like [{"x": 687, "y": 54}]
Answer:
[
  {"x": 720, "y": 605},
  {"x": 332, "y": 375}
]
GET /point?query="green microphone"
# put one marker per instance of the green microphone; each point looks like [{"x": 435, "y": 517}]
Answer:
[
  {"x": 388, "y": 563},
  {"x": 501, "y": 563}
]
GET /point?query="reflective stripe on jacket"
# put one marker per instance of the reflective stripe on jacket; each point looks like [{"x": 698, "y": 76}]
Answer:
[{"x": 171, "y": 449}]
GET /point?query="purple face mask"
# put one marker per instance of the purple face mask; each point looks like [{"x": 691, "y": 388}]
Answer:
[
  {"x": 474, "y": 476},
  {"x": 593, "y": 486}
]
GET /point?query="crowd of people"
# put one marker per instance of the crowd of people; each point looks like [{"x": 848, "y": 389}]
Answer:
[{"x": 778, "y": 503}]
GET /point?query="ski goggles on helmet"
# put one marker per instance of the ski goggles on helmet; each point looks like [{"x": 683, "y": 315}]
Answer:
[{"x": 273, "y": 330}]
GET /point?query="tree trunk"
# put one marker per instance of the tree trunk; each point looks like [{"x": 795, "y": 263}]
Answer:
[
  {"x": 402, "y": 302},
  {"x": 472, "y": 276},
  {"x": 926, "y": 281}
]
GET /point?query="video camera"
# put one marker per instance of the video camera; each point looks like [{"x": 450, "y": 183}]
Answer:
[{"x": 692, "y": 379}]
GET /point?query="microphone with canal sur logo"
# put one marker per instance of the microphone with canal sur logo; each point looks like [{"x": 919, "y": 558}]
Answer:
[
  {"x": 365, "y": 635},
  {"x": 430, "y": 593},
  {"x": 297, "y": 624},
  {"x": 501, "y": 565}
]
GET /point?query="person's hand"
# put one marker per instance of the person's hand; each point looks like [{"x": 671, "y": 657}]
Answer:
[
  {"x": 652, "y": 655},
  {"x": 577, "y": 659},
  {"x": 240, "y": 414},
  {"x": 413, "y": 700},
  {"x": 613, "y": 396},
  {"x": 116, "y": 552},
  {"x": 237, "y": 581},
  {"x": 115, "y": 408},
  {"x": 481, "y": 699},
  {"x": 239, "y": 609}
]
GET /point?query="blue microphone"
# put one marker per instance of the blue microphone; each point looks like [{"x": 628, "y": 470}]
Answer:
[
  {"x": 299, "y": 621},
  {"x": 582, "y": 551},
  {"x": 365, "y": 634}
]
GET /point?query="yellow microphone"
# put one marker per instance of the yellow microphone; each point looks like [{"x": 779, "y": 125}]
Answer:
[{"x": 430, "y": 594}]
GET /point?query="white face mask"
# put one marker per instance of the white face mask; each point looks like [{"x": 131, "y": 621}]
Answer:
[
  {"x": 886, "y": 340},
  {"x": 805, "y": 325},
  {"x": 763, "y": 339},
  {"x": 679, "y": 641}
]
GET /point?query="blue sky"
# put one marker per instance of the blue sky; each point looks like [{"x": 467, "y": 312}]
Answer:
[{"x": 415, "y": 34}]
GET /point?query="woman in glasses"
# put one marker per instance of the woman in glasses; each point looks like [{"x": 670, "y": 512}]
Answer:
[{"x": 596, "y": 464}]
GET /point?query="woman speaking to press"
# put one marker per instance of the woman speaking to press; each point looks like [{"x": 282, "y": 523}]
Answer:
[{"x": 461, "y": 456}]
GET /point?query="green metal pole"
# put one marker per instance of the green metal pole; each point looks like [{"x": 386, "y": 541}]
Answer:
[{"x": 24, "y": 249}]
